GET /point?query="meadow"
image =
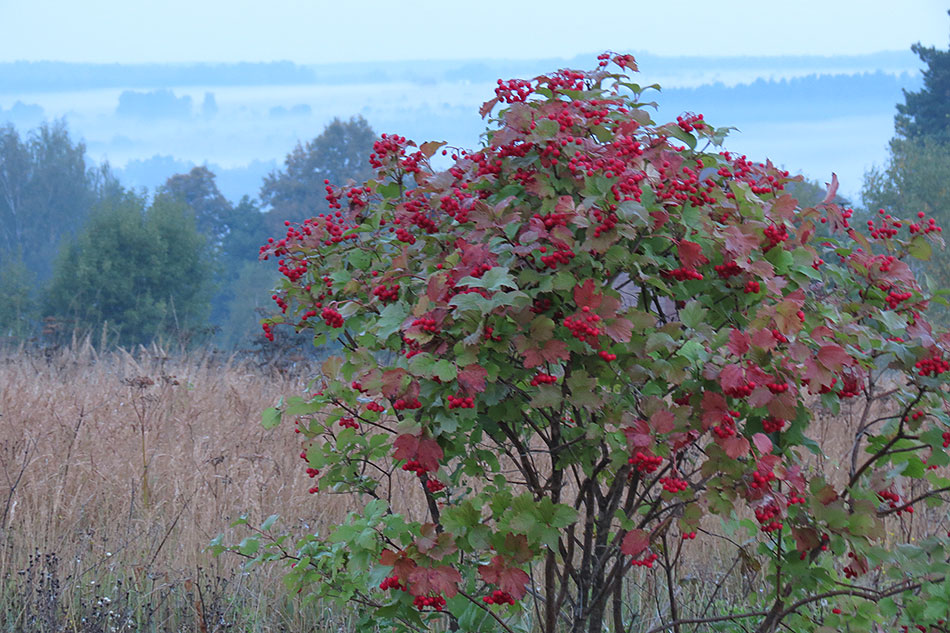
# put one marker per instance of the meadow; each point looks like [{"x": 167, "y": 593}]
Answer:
[{"x": 117, "y": 469}]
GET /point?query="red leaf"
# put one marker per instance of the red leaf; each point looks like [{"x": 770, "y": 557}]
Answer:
[
  {"x": 714, "y": 407},
  {"x": 662, "y": 421},
  {"x": 586, "y": 295},
  {"x": 806, "y": 539},
  {"x": 400, "y": 562},
  {"x": 638, "y": 435},
  {"x": 739, "y": 243},
  {"x": 509, "y": 579},
  {"x": 735, "y": 446},
  {"x": 833, "y": 357},
  {"x": 691, "y": 254},
  {"x": 832, "y": 189},
  {"x": 472, "y": 378},
  {"x": 552, "y": 351},
  {"x": 739, "y": 342},
  {"x": 731, "y": 377},
  {"x": 762, "y": 443},
  {"x": 423, "y": 449},
  {"x": 392, "y": 382},
  {"x": 428, "y": 580},
  {"x": 619, "y": 330},
  {"x": 635, "y": 542},
  {"x": 764, "y": 339}
]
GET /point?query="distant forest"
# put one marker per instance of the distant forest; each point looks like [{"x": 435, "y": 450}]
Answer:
[{"x": 63, "y": 76}]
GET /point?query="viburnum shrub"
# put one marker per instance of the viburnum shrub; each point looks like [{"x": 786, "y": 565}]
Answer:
[{"x": 595, "y": 351}]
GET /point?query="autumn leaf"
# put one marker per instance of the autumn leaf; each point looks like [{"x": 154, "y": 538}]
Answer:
[
  {"x": 472, "y": 378},
  {"x": 738, "y": 342},
  {"x": 429, "y": 580},
  {"x": 735, "y": 446},
  {"x": 400, "y": 562},
  {"x": 713, "y": 407},
  {"x": 691, "y": 254},
  {"x": 731, "y": 377},
  {"x": 586, "y": 296},
  {"x": 509, "y": 579},
  {"x": 619, "y": 330},
  {"x": 635, "y": 542},
  {"x": 552, "y": 351},
  {"x": 662, "y": 421},
  {"x": 833, "y": 357},
  {"x": 762, "y": 443},
  {"x": 423, "y": 449}
]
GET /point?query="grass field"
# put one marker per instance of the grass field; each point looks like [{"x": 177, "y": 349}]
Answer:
[{"x": 117, "y": 469}]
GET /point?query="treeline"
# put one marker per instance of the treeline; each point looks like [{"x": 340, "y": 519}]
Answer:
[{"x": 81, "y": 253}]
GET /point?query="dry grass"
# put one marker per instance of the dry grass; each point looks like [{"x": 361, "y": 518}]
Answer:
[{"x": 90, "y": 528}]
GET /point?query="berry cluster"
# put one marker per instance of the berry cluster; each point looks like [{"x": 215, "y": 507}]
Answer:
[
  {"x": 373, "y": 406},
  {"x": 560, "y": 256},
  {"x": 726, "y": 428},
  {"x": 772, "y": 424},
  {"x": 461, "y": 402},
  {"x": 386, "y": 295},
  {"x": 434, "y": 485},
  {"x": 888, "y": 228},
  {"x": 435, "y": 602},
  {"x": 930, "y": 227},
  {"x": 946, "y": 439},
  {"x": 392, "y": 583},
  {"x": 691, "y": 122},
  {"x": 490, "y": 334},
  {"x": 894, "y": 299},
  {"x": 349, "y": 423},
  {"x": 767, "y": 518},
  {"x": 689, "y": 536},
  {"x": 607, "y": 356},
  {"x": 751, "y": 287},
  {"x": 762, "y": 480},
  {"x": 775, "y": 236},
  {"x": 427, "y": 324},
  {"x": 646, "y": 561},
  {"x": 543, "y": 379},
  {"x": 407, "y": 403},
  {"x": 551, "y": 220},
  {"x": 606, "y": 221},
  {"x": 645, "y": 462},
  {"x": 499, "y": 597},
  {"x": 674, "y": 484},
  {"x": 777, "y": 387},
  {"x": 583, "y": 329},
  {"x": 933, "y": 366},
  {"x": 414, "y": 466},
  {"x": 683, "y": 273},
  {"x": 332, "y": 318},
  {"x": 741, "y": 391},
  {"x": 727, "y": 269}
]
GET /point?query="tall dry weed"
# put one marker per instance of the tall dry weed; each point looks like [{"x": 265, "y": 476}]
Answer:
[{"x": 118, "y": 468}]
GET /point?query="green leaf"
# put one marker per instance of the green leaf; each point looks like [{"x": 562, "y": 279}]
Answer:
[
  {"x": 270, "y": 418},
  {"x": 693, "y": 314},
  {"x": 249, "y": 546},
  {"x": 391, "y": 319},
  {"x": 920, "y": 248},
  {"x": 360, "y": 259},
  {"x": 445, "y": 370},
  {"x": 494, "y": 279},
  {"x": 269, "y": 522}
]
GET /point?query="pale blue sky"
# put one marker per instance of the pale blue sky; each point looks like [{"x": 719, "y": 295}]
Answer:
[{"x": 317, "y": 31}]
